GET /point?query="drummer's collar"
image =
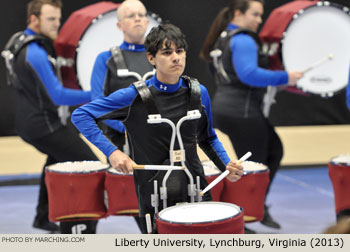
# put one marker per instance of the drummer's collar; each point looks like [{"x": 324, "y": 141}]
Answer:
[
  {"x": 29, "y": 31},
  {"x": 232, "y": 27},
  {"x": 168, "y": 88},
  {"x": 132, "y": 47}
]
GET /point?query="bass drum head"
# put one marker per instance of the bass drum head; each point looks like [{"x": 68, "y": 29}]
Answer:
[
  {"x": 100, "y": 36},
  {"x": 314, "y": 34}
]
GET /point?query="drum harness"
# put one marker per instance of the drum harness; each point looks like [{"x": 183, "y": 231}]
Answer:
[
  {"x": 16, "y": 43},
  {"x": 122, "y": 70},
  {"x": 155, "y": 117},
  {"x": 221, "y": 75}
]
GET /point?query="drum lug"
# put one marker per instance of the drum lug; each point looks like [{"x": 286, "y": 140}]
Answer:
[
  {"x": 163, "y": 193},
  {"x": 191, "y": 190}
]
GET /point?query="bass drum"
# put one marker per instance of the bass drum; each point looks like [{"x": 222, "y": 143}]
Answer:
[
  {"x": 86, "y": 33},
  {"x": 302, "y": 34}
]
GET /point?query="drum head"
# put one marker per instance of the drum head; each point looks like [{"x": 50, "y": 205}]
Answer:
[
  {"x": 342, "y": 159},
  {"x": 100, "y": 36},
  {"x": 202, "y": 212},
  {"x": 77, "y": 167},
  {"x": 250, "y": 166},
  {"x": 314, "y": 34}
]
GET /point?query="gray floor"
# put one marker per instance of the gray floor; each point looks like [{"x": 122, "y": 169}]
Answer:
[{"x": 301, "y": 200}]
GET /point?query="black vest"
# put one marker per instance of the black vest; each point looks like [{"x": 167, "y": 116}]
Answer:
[{"x": 223, "y": 44}]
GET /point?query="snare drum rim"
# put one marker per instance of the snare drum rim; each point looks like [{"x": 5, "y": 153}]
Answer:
[
  {"x": 300, "y": 13},
  {"x": 117, "y": 174},
  {"x": 340, "y": 163},
  {"x": 257, "y": 171},
  {"x": 202, "y": 222},
  {"x": 47, "y": 168}
]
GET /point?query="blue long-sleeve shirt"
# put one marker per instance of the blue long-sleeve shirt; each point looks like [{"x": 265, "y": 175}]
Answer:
[
  {"x": 245, "y": 60},
  {"x": 37, "y": 58}
]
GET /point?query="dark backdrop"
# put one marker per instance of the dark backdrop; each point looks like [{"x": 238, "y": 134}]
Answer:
[{"x": 193, "y": 17}]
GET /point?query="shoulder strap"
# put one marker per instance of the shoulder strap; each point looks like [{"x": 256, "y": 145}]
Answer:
[
  {"x": 195, "y": 95},
  {"x": 254, "y": 35},
  {"x": 15, "y": 44},
  {"x": 118, "y": 57},
  {"x": 146, "y": 97},
  {"x": 216, "y": 53}
]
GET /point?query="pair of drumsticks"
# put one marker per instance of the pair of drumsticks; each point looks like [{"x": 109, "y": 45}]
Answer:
[{"x": 172, "y": 167}]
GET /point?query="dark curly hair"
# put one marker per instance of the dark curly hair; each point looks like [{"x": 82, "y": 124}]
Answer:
[{"x": 164, "y": 33}]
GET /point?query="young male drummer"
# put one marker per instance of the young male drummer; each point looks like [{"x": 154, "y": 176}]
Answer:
[
  {"x": 171, "y": 95},
  {"x": 38, "y": 93}
]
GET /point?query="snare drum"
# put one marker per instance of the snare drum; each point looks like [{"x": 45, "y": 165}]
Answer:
[
  {"x": 201, "y": 218},
  {"x": 212, "y": 172},
  {"x": 121, "y": 194},
  {"x": 302, "y": 33},
  {"x": 249, "y": 192},
  {"x": 76, "y": 190},
  {"x": 86, "y": 33},
  {"x": 339, "y": 173}
]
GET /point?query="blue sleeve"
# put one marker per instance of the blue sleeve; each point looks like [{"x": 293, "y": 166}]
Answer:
[
  {"x": 37, "y": 58},
  {"x": 98, "y": 79},
  {"x": 245, "y": 61},
  {"x": 84, "y": 117},
  {"x": 208, "y": 140},
  {"x": 348, "y": 94}
]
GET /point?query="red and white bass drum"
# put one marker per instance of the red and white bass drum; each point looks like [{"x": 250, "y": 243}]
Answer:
[
  {"x": 86, "y": 33},
  {"x": 313, "y": 36}
]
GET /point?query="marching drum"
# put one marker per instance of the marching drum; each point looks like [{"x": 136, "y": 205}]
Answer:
[
  {"x": 212, "y": 172},
  {"x": 311, "y": 36},
  {"x": 201, "y": 218},
  {"x": 249, "y": 192},
  {"x": 121, "y": 194},
  {"x": 76, "y": 190},
  {"x": 85, "y": 34},
  {"x": 339, "y": 173}
]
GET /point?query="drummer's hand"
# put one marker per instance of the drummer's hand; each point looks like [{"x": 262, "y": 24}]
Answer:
[
  {"x": 236, "y": 171},
  {"x": 293, "y": 77},
  {"x": 120, "y": 161}
]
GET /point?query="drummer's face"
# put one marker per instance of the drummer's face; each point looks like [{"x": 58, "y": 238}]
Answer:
[
  {"x": 49, "y": 21},
  {"x": 134, "y": 22},
  {"x": 252, "y": 18},
  {"x": 170, "y": 63}
]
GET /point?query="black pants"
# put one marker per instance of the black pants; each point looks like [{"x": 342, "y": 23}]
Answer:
[
  {"x": 253, "y": 134},
  {"x": 62, "y": 145}
]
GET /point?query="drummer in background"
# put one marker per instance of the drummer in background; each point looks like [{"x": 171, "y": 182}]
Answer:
[
  {"x": 38, "y": 93},
  {"x": 133, "y": 22},
  {"x": 150, "y": 143},
  {"x": 237, "y": 105}
]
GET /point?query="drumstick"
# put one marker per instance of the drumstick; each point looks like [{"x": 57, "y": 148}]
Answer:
[
  {"x": 319, "y": 62},
  {"x": 224, "y": 174},
  {"x": 148, "y": 223},
  {"x": 157, "y": 167}
]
